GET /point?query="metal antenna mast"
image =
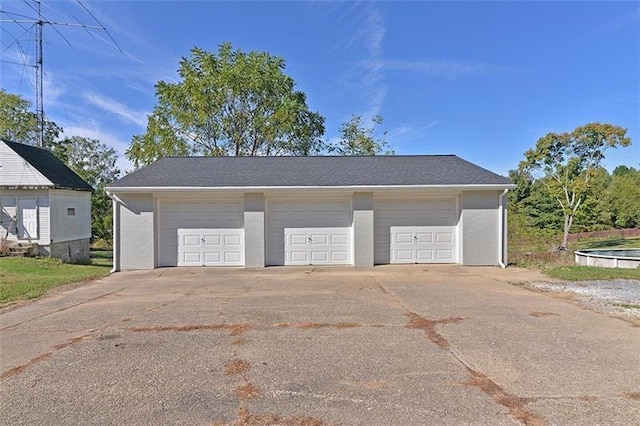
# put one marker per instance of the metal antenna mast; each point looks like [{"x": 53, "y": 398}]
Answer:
[
  {"x": 38, "y": 22},
  {"x": 39, "y": 80}
]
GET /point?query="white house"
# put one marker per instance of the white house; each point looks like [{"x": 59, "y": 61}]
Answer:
[
  {"x": 43, "y": 202},
  {"x": 261, "y": 211}
]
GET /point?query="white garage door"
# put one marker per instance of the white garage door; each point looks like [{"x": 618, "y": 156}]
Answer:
[
  {"x": 317, "y": 246},
  {"x": 309, "y": 232},
  {"x": 416, "y": 231},
  {"x": 210, "y": 247},
  {"x": 205, "y": 232}
]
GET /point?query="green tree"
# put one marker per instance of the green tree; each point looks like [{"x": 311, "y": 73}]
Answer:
[
  {"x": 94, "y": 162},
  {"x": 18, "y": 124},
  {"x": 567, "y": 162},
  {"x": 358, "y": 139},
  {"x": 229, "y": 103},
  {"x": 624, "y": 197}
]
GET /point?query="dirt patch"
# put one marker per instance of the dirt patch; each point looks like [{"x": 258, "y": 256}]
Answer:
[
  {"x": 429, "y": 327},
  {"x": 514, "y": 404},
  {"x": 247, "y": 391},
  {"x": 631, "y": 395},
  {"x": 19, "y": 369},
  {"x": 234, "y": 329},
  {"x": 587, "y": 398},
  {"x": 543, "y": 314},
  {"x": 239, "y": 341},
  {"x": 237, "y": 366},
  {"x": 244, "y": 418},
  {"x": 338, "y": 325},
  {"x": 238, "y": 329}
]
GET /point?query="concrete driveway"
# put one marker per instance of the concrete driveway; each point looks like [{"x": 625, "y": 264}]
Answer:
[{"x": 389, "y": 345}]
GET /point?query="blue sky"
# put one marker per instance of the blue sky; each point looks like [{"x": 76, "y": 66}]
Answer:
[{"x": 483, "y": 80}]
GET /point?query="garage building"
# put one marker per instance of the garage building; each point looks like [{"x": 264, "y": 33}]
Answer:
[{"x": 263, "y": 211}]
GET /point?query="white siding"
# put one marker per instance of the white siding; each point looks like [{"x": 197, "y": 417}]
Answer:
[
  {"x": 480, "y": 227},
  {"x": 65, "y": 227},
  {"x": 135, "y": 232},
  {"x": 8, "y": 204},
  {"x": 16, "y": 171}
]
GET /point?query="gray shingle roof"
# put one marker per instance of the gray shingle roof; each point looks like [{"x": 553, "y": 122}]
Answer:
[
  {"x": 310, "y": 171},
  {"x": 50, "y": 166}
]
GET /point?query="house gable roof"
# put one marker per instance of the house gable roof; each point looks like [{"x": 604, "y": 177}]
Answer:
[
  {"x": 50, "y": 166},
  {"x": 329, "y": 171}
]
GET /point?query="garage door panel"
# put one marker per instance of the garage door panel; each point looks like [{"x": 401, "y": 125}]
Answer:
[
  {"x": 319, "y": 257},
  {"x": 233, "y": 240},
  {"x": 212, "y": 258},
  {"x": 403, "y": 256},
  {"x": 191, "y": 258},
  {"x": 403, "y": 238},
  {"x": 234, "y": 257},
  {"x": 444, "y": 237},
  {"x": 423, "y": 255},
  {"x": 424, "y": 237},
  {"x": 190, "y": 240},
  {"x": 445, "y": 255},
  {"x": 319, "y": 239},
  {"x": 297, "y": 256}
]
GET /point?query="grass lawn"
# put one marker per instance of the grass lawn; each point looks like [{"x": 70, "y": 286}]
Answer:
[
  {"x": 585, "y": 273},
  {"x": 28, "y": 278}
]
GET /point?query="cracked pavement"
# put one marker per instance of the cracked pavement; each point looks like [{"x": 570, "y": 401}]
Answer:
[{"x": 411, "y": 344}]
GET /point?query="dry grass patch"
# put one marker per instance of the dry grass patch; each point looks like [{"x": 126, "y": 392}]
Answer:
[{"x": 237, "y": 366}]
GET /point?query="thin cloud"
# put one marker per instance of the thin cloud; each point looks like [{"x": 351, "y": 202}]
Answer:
[
  {"x": 372, "y": 67},
  {"x": 408, "y": 132},
  {"x": 443, "y": 68},
  {"x": 621, "y": 22},
  {"x": 117, "y": 108}
]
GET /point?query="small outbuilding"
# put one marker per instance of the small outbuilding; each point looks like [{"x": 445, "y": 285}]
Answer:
[
  {"x": 43, "y": 203},
  {"x": 263, "y": 211}
]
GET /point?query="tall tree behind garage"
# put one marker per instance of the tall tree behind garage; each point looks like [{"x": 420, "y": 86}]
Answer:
[{"x": 229, "y": 103}]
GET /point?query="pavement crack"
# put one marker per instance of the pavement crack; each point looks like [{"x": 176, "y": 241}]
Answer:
[
  {"x": 234, "y": 329},
  {"x": 395, "y": 298},
  {"x": 19, "y": 369},
  {"x": 511, "y": 402},
  {"x": 429, "y": 327}
]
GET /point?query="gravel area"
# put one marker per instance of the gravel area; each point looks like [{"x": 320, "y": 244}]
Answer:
[{"x": 621, "y": 297}]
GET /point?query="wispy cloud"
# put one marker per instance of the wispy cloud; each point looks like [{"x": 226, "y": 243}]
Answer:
[
  {"x": 449, "y": 69},
  {"x": 409, "y": 132},
  {"x": 366, "y": 76},
  {"x": 443, "y": 68},
  {"x": 121, "y": 110},
  {"x": 623, "y": 21},
  {"x": 373, "y": 77}
]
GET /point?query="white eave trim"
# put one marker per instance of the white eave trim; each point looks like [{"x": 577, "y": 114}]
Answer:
[{"x": 367, "y": 188}]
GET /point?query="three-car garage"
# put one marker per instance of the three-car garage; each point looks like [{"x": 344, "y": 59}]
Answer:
[{"x": 282, "y": 211}]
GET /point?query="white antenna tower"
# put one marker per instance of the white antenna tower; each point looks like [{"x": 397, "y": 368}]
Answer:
[{"x": 39, "y": 21}]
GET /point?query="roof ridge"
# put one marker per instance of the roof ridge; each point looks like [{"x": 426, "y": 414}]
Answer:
[{"x": 312, "y": 156}]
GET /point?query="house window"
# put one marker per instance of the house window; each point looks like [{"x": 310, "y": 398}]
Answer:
[{"x": 71, "y": 211}]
